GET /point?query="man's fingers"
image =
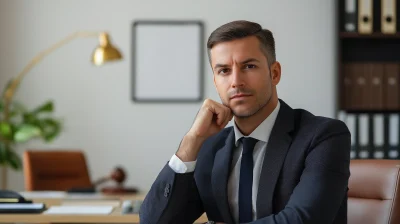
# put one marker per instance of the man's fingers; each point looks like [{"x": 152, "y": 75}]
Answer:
[
  {"x": 223, "y": 114},
  {"x": 228, "y": 115},
  {"x": 219, "y": 112}
]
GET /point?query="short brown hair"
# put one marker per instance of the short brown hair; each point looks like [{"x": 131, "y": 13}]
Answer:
[{"x": 240, "y": 29}]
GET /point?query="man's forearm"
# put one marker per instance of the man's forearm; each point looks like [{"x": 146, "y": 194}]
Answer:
[
  {"x": 172, "y": 197},
  {"x": 189, "y": 148}
]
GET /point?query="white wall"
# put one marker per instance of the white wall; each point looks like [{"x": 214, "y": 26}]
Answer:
[{"x": 99, "y": 115}]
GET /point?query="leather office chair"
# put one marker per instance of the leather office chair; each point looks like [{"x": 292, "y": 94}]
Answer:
[
  {"x": 373, "y": 195},
  {"x": 55, "y": 170}
]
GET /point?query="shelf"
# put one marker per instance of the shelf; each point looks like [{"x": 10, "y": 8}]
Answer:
[
  {"x": 370, "y": 111},
  {"x": 353, "y": 35}
]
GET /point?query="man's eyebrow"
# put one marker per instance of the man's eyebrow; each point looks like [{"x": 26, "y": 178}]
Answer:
[
  {"x": 243, "y": 62},
  {"x": 220, "y": 66},
  {"x": 249, "y": 60}
]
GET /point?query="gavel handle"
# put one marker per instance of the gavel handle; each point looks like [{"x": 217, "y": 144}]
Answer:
[{"x": 102, "y": 180}]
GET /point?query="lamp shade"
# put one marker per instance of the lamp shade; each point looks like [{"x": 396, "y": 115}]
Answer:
[{"x": 105, "y": 52}]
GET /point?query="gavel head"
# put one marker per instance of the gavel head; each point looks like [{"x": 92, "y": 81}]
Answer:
[{"x": 118, "y": 175}]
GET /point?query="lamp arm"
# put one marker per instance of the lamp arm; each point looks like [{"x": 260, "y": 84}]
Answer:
[{"x": 10, "y": 91}]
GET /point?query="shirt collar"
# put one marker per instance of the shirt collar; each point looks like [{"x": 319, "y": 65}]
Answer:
[{"x": 263, "y": 131}]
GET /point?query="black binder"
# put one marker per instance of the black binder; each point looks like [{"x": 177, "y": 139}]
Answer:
[
  {"x": 12, "y": 202},
  {"x": 350, "y": 16}
]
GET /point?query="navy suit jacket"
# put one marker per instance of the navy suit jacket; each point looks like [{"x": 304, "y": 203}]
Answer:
[{"x": 304, "y": 176}]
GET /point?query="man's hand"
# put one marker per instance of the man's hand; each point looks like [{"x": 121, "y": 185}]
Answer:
[{"x": 211, "y": 118}]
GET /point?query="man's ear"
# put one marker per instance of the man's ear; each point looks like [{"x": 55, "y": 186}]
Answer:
[{"x": 275, "y": 72}]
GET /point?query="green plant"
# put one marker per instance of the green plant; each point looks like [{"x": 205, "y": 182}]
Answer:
[{"x": 23, "y": 125}]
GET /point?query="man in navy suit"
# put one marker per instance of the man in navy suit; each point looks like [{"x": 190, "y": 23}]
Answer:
[{"x": 275, "y": 165}]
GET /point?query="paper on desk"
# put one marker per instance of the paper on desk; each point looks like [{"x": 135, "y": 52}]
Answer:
[
  {"x": 43, "y": 194},
  {"x": 79, "y": 209},
  {"x": 10, "y": 206},
  {"x": 90, "y": 202},
  {"x": 84, "y": 196}
]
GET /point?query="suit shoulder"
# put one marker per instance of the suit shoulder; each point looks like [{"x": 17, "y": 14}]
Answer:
[
  {"x": 305, "y": 118},
  {"x": 319, "y": 127}
]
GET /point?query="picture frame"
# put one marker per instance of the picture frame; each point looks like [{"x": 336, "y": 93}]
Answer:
[{"x": 167, "y": 61}]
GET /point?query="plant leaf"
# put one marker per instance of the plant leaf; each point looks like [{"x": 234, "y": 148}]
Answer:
[
  {"x": 29, "y": 118},
  {"x": 46, "y": 107},
  {"x": 18, "y": 107},
  {"x": 14, "y": 159},
  {"x": 5, "y": 130},
  {"x": 3, "y": 153},
  {"x": 50, "y": 128},
  {"x": 26, "y": 132},
  {"x": 9, "y": 157}
]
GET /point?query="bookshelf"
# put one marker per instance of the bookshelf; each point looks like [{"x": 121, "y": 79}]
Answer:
[
  {"x": 375, "y": 35},
  {"x": 368, "y": 77}
]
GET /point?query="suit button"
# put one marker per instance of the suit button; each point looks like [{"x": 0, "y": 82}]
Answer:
[{"x": 167, "y": 190}]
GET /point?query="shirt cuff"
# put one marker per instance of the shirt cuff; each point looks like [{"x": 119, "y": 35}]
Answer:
[{"x": 181, "y": 167}]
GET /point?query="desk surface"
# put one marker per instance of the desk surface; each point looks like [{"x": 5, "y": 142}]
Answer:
[{"x": 114, "y": 217}]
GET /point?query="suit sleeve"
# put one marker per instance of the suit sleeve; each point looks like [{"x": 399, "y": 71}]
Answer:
[
  {"x": 323, "y": 184},
  {"x": 173, "y": 198}
]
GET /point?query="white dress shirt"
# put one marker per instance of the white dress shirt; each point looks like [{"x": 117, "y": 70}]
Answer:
[{"x": 261, "y": 133}]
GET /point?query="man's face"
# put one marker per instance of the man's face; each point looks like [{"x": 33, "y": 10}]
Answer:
[{"x": 242, "y": 75}]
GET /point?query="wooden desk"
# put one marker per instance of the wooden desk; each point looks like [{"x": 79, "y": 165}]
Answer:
[
  {"x": 50, "y": 201},
  {"x": 114, "y": 217}
]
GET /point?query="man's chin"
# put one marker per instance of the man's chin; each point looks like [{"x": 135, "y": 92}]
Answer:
[{"x": 243, "y": 113}]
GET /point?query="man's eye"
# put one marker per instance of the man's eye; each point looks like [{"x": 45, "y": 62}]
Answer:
[
  {"x": 223, "y": 71},
  {"x": 250, "y": 66}
]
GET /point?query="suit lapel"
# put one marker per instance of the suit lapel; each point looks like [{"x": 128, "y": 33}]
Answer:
[
  {"x": 220, "y": 175},
  {"x": 277, "y": 147}
]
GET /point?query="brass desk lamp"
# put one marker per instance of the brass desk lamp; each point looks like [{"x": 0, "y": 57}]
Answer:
[{"x": 105, "y": 52}]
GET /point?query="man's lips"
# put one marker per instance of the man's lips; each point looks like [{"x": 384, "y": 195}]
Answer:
[{"x": 240, "y": 96}]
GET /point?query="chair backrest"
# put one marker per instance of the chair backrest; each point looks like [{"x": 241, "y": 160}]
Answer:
[
  {"x": 373, "y": 195},
  {"x": 58, "y": 170}
]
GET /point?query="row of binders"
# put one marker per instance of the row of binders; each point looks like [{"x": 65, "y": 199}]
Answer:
[
  {"x": 367, "y": 16},
  {"x": 373, "y": 136},
  {"x": 370, "y": 86}
]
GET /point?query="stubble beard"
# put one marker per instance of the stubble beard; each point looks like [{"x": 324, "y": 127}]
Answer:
[
  {"x": 260, "y": 106},
  {"x": 252, "y": 112}
]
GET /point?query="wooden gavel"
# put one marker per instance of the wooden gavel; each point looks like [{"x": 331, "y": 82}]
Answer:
[{"x": 117, "y": 174}]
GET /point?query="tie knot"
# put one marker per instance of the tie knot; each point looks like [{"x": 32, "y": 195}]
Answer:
[{"x": 248, "y": 144}]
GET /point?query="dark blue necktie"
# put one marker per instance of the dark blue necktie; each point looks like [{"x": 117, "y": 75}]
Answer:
[{"x": 246, "y": 180}]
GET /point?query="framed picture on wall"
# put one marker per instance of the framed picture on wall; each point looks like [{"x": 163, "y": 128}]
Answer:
[{"x": 167, "y": 61}]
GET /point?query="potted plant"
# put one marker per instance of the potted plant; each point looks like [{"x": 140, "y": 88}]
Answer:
[{"x": 18, "y": 125}]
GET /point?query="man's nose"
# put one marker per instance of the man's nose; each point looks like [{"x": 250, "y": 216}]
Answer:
[{"x": 237, "y": 78}]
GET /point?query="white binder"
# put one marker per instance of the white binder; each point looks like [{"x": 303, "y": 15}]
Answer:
[
  {"x": 365, "y": 16},
  {"x": 379, "y": 139},
  {"x": 393, "y": 136},
  {"x": 388, "y": 16},
  {"x": 364, "y": 136}
]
